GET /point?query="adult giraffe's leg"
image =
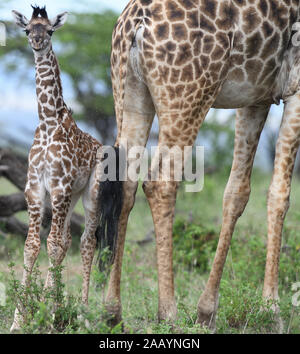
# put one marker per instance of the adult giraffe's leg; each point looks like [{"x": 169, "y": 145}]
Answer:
[
  {"x": 279, "y": 192},
  {"x": 161, "y": 193},
  {"x": 35, "y": 204},
  {"x": 138, "y": 114},
  {"x": 249, "y": 124}
]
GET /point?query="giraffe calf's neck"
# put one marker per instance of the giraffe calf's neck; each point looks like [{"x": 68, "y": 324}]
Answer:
[{"x": 48, "y": 87}]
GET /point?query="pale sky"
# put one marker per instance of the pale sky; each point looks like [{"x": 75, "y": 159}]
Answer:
[{"x": 55, "y": 6}]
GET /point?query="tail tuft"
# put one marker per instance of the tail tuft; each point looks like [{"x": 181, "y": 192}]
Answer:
[{"x": 110, "y": 199}]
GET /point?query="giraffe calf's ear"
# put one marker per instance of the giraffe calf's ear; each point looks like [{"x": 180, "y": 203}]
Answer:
[
  {"x": 20, "y": 19},
  {"x": 59, "y": 21}
]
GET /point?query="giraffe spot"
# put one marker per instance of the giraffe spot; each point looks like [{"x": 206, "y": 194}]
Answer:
[
  {"x": 208, "y": 7},
  {"x": 128, "y": 26},
  {"x": 51, "y": 101},
  {"x": 237, "y": 75},
  {"x": 174, "y": 13},
  {"x": 240, "y": 2},
  {"x": 263, "y": 7},
  {"x": 267, "y": 29},
  {"x": 179, "y": 90},
  {"x": 187, "y": 73},
  {"x": 162, "y": 31},
  {"x": 253, "y": 44},
  {"x": 157, "y": 12},
  {"x": 171, "y": 46},
  {"x": 237, "y": 59},
  {"x": 146, "y": 2},
  {"x": 193, "y": 19},
  {"x": 179, "y": 32},
  {"x": 278, "y": 13},
  {"x": 43, "y": 98},
  {"x": 251, "y": 19},
  {"x": 150, "y": 65},
  {"x": 184, "y": 54},
  {"x": 228, "y": 14}
]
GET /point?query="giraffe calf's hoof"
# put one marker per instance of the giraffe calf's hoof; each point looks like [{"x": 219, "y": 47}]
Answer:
[{"x": 15, "y": 328}]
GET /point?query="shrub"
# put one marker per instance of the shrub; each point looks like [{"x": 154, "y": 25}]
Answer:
[{"x": 193, "y": 244}]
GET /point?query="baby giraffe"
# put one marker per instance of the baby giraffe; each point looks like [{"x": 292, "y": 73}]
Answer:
[{"x": 64, "y": 162}]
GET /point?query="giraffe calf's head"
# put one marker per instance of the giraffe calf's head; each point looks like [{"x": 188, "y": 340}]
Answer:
[{"x": 39, "y": 29}]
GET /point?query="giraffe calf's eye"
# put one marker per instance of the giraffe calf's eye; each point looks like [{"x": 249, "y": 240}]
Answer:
[
  {"x": 27, "y": 32},
  {"x": 50, "y": 33}
]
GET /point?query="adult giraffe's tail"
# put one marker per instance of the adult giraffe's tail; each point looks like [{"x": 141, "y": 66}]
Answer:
[
  {"x": 111, "y": 192},
  {"x": 110, "y": 201}
]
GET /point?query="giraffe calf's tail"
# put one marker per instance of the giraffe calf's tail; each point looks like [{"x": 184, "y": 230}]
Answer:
[{"x": 110, "y": 201}]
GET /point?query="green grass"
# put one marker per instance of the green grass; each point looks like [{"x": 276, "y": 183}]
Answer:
[{"x": 201, "y": 213}]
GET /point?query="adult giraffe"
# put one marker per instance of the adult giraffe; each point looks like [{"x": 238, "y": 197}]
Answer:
[{"x": 179, "y": 58}]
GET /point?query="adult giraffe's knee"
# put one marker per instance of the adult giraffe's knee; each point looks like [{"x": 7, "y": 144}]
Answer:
[{"x": 234, "y": 202}]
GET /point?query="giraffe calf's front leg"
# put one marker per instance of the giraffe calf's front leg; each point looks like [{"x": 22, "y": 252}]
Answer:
[{"x": 32, "y": 244}]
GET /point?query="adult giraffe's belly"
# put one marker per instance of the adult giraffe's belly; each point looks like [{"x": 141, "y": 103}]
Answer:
[{"x": 235, "y": 94}]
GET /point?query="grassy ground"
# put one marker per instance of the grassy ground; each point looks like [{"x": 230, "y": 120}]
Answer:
[{"x": 197, "y": 215}]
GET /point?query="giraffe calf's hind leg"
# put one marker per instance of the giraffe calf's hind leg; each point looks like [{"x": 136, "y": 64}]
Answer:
[{"x": 88, "y": 239}]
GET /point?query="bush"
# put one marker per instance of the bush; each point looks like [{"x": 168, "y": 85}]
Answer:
[{"x": 194, "y": 244}]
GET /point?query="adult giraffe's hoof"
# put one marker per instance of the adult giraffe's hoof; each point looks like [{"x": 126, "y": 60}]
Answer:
[
  {"x": 207, "y": 311},
  {"x": 207, "y": 319},
  {"x": 277, "y": 326},
  {"x": 113, "y": 315},
  {"x": 167, "y": 311}
]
